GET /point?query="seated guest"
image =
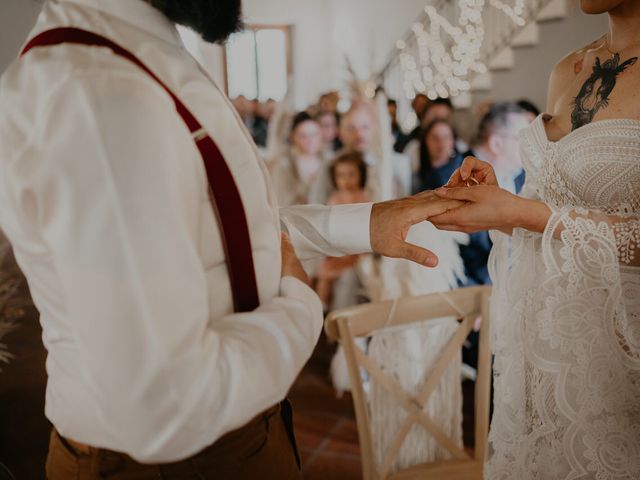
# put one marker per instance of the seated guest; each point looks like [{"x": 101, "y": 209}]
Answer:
[
  {"x": 496, "y": 143},
  {"x": 357, "y": 133},
  {"x": 420, "y": 104},
  {"x": 399, "y": 137},
  {"x": 438, "y": 109},
  {"x": 245, "y": 109},
  {"x": 260, "y": 123},
  {"x": 328, "y": 102},
  {"x": 438, "y": 156},
  {"x": 329, "y": 123},
  {"x": 349, "y": 177},
  {"x": 294, "y": 173}
]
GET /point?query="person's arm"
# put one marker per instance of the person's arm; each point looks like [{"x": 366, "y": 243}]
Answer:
[
  {"x": 106, "y": 191},
  {"x": 492, "y": 208},
  {"x": 360, "y": 228}
]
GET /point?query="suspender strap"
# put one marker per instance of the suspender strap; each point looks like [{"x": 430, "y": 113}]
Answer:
[{"x": 226, "y": 201}]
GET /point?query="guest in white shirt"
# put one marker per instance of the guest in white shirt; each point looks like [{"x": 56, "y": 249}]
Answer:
[{"x": 106, "y": 202}]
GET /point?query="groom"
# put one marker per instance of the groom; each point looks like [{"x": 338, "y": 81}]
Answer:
[{"x": 174, "y": 316}]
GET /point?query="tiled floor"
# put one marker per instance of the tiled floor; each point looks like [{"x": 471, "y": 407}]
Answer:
[{"x": 325, "y": 425}]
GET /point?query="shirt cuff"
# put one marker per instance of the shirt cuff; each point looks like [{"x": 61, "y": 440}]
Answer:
[{"x": 349, "y": 227}]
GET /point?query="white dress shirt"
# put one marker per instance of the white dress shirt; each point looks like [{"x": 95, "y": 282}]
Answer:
[{"x": 104, "y": 198}]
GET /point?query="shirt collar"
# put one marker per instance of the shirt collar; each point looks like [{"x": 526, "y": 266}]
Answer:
[{"x": 138, "y": 13}]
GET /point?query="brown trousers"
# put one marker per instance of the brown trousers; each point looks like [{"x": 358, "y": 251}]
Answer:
[{"x": 262, "y": 449}]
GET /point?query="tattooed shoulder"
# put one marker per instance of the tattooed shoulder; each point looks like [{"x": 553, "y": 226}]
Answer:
[
  {"x": 597, "y": 89},
  {"x": 579, "y": 55}
]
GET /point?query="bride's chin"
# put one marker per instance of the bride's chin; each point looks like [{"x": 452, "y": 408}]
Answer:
[{"x": 597, "y": 7}]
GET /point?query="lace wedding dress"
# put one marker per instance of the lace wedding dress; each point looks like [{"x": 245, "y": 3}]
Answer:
[{"x": 566, "y": 309}]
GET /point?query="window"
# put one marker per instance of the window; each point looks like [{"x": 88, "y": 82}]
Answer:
[{"x": 258, "y": 63}]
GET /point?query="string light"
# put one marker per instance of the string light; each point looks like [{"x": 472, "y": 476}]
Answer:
[{"x": 444, "y": 56}]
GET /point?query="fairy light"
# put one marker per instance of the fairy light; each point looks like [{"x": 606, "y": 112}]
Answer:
[
  {"x": 445, "y": 55},
  {"x": 514, "y": 12}
]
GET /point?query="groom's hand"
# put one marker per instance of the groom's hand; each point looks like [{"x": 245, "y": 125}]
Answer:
[{"x": 391, "y": 221}]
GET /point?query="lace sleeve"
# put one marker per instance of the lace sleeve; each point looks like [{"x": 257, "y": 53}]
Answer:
[{"x": 592, "y": 236}]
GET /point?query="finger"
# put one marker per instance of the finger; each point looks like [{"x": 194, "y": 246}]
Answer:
[
  {"x": 465, "y": 194},
  {"x": 418, "y": 254},
  {"x": 452, "y": 217},
  {"x": 455, "y": 180},
  {"x": 426, "y": 194},
  {"x": 450, "y": 228},
  {"x": 441, "y": 206},
  {"x": 467, "y": 167},
  {"x": 435, "y": 206}
]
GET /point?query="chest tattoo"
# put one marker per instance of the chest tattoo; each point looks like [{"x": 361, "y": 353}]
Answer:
[{"x": 596, "y": 90}]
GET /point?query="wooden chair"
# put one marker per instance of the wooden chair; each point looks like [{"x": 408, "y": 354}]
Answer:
[{"x": 364, "y": 320}]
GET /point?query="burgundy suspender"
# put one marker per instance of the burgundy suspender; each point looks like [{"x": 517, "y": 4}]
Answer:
[{"x": 226, "y": 201}]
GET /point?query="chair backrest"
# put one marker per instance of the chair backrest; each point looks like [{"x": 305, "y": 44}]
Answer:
[{"x": 467, "y": 304}]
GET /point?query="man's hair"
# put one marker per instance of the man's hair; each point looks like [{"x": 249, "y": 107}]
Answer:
[
  {"x": 214, "y": 20},
  {"x": 418, "y": 97},
  {"x": 355, "y": 158},
  {"x": 497, "y": 118},
  {"x": 528, "y": 106},
  {"x": 440, "y": 101},
  {"x": 391, "y": 101}
]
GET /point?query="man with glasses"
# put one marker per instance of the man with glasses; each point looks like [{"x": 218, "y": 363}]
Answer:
[{"x": 497, "y": 143}]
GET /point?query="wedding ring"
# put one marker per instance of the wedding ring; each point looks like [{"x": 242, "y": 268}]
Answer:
[{"x": 472, "y": 181}]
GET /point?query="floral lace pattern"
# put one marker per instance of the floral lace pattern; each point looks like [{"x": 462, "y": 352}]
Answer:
[{"x": 566, "y": 307}]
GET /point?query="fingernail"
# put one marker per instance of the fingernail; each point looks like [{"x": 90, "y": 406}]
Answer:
[{"x": 432, "y": 262}]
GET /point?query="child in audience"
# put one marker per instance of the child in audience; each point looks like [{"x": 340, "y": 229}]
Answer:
[{"x": 349, "y": 176}]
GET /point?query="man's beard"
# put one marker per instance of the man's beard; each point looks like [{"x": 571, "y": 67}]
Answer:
[{"x": 215, "y": 20}]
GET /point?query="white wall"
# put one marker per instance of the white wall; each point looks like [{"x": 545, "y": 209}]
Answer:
[
  {"x": 366, "y": 31},
  {"x": 16, "y": 19},
  {"x": 533, "y": 65}
]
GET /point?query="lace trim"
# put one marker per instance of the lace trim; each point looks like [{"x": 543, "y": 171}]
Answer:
[{"x": 627, "y": 239}]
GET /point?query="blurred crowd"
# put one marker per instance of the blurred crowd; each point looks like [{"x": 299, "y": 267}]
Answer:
[{"x": 323, "y": 156}]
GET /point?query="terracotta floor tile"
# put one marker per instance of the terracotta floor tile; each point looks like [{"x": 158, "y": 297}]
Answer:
[
  {"x": 329, "y": 466},
  {"x": 314, "y": 393},
  {"x": 344, "y": 438},
  {"x": 311, "y": 429}
]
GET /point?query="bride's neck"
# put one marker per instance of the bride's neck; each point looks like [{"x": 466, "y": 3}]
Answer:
[{"x": 624, "y": 26}]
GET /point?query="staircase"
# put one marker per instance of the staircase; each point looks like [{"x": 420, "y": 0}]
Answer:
[{"x": 505, "y": 26}]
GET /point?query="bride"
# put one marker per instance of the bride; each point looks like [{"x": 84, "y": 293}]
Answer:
[{"x": 566, "y": 269}]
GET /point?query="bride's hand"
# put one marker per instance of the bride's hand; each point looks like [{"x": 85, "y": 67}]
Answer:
[
  {"x": 489, "y": 207},
  {"x": 473, "y": 168}
]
